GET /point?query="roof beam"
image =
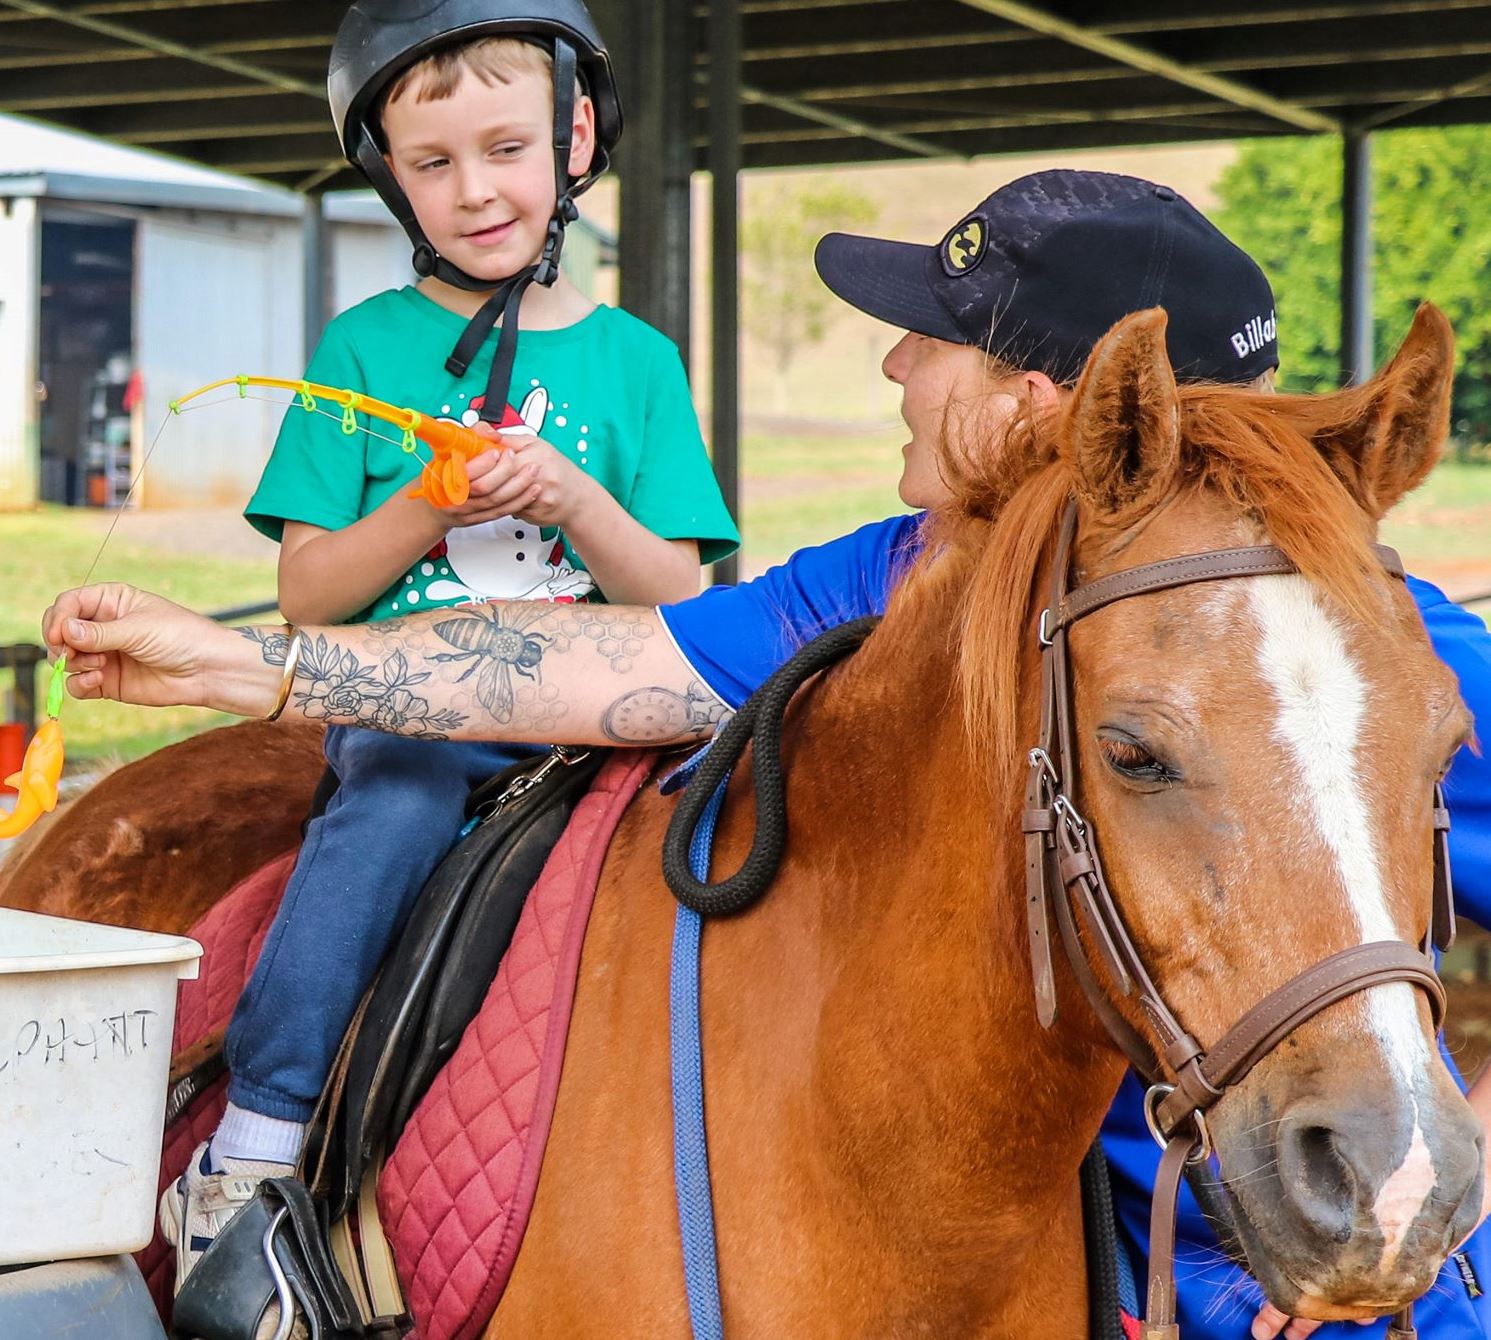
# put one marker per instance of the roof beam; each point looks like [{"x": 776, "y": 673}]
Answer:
[
  {"x": 851, "y": 125},
  {"x": 938, "y": 86},
  {"x": 1173, "y": 20},
  {"x": 1182, "y": 111},
  {"x": 33, "y": 60},
  {"x": 258, "y": 74},
  {"x": 140, "y": 7},
  {"x": 1126, "y": 53},
  {"x": 1466, "y": 88},
  {"x": 68, "y": 102}
]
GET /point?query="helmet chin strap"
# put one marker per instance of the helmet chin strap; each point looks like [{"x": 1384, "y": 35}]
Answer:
[{"x": 507, "y": 297}]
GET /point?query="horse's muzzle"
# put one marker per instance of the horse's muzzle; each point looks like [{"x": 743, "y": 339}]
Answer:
[{"x": 1350, "y": 1207}]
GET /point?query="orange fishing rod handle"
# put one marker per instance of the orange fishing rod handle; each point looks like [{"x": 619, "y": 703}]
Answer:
[{"x": 454, "y": 440}]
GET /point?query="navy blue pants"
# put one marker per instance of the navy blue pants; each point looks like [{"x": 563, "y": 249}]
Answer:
[{"x": 396, "y": 813}]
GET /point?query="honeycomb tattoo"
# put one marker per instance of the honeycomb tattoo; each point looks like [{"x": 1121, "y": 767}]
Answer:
[
  {"x": 615, "y": 637},
  {"x": 541, "y": 704}
]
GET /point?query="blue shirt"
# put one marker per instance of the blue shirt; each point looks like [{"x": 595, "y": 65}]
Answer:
[{"x": 734, "y": 637}]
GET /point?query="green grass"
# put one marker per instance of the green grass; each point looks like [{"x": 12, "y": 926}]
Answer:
[
  {"x": 802, "y": 490},
  {"x": 45, "y": 551},
  {"x": 1448, "y": 519}
]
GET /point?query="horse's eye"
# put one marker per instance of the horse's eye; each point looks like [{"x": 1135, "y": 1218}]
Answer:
[{"x": 1129, "y": 758}]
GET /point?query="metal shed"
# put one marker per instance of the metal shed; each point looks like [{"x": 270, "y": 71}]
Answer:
[{"x": 117, "y": 294}]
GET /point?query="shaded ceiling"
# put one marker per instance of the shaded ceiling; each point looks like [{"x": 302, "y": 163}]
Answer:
[{"x": 238, "y": 84}]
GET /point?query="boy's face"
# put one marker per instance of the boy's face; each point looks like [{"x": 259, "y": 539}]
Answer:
[{"x": 478, "y": 168}]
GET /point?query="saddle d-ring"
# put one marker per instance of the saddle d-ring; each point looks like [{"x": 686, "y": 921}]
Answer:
[
  {"x": 281, "y": 1284},
  {"x": 1153, "y": 1097}
]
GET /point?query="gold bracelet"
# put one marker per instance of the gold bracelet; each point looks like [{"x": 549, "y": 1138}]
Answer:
[{"x": 287, "y": 680}]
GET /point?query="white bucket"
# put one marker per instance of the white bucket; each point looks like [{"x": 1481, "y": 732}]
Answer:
[{"x": 86, "y": 1014}]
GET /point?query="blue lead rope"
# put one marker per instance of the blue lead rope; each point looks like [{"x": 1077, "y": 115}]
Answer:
[{"x": 701, "y": 1270}]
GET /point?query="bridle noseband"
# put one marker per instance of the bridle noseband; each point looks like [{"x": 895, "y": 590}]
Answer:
[{"x": 1063, "y": 872}]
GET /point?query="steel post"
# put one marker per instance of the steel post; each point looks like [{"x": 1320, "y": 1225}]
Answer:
[
  {"x": 724, "y": 344},
  {"x": 317, "y": 262},
  {"x": 1357, "y": 359},
  {"x": 655, "y": 161}
]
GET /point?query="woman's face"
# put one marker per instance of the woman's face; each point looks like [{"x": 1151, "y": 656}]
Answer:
[{"x": 945, "y": 389}]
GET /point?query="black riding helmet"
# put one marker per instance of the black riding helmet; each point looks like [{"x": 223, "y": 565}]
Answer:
[{"x": 379, "y": 39}]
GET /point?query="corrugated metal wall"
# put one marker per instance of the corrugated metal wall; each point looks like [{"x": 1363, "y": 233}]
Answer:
[
  {"x": 213, "y": 299},
  {"x": 20, "y": 241},
  {"x": 216, "y": 297}
]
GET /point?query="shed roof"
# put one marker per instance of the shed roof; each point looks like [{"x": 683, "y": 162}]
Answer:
[
  {"x": 238, "y": 85},
  {"x": 202, "y": 197}
]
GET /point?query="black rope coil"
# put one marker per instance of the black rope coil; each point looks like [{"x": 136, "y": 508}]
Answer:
[{"x": 760, "y": 719}]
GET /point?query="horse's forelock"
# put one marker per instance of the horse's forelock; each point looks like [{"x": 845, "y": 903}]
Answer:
[{"x": 992, "y": 541}]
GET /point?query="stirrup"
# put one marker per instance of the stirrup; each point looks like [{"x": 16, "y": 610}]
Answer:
[{"x": 274, "y": 1250}]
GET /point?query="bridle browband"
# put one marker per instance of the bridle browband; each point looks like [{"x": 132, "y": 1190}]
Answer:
[{"x": 1063, "y": 871}]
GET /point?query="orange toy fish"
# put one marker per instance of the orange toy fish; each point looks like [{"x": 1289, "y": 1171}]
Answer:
[{"x": 36, "y": 781}]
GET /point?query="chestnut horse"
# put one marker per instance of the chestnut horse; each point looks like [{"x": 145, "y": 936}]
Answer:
[
  {"x": 155, "y": 844},
  {"x": 894, "y": 1139}
]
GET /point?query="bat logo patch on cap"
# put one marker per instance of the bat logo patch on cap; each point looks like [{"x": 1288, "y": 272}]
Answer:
[{"x": 964, "y": 247}]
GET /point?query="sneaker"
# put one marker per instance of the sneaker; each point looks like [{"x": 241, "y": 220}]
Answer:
[{"x": 197, "y": 1206}]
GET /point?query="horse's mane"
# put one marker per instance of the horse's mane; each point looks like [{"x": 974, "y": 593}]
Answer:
[{"x": 994, "y": 540}]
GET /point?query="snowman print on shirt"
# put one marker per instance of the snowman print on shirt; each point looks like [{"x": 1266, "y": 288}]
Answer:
[{"x": 506, "y": 559}]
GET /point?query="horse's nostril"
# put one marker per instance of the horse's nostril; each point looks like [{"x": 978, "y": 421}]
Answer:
[{"x": 1317, "y": 1177}]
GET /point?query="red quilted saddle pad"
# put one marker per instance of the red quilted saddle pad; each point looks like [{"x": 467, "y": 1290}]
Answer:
[
  {"x": 231, "y": 935},
  {"x": 456, "y": 1194}
]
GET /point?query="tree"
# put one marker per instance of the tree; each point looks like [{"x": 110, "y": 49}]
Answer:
[
  {"x": 1431, "y": 239},
  {"x": 784, "y": 304}
]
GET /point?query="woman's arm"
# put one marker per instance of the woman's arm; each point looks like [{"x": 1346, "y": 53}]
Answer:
[{"x": 511, "y": 670}]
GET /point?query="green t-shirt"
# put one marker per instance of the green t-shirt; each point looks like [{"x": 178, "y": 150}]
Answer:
[{"x": 609, "y": 392}]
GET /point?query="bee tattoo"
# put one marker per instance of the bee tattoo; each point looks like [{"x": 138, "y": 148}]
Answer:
[{"x": 498, "y": 652}]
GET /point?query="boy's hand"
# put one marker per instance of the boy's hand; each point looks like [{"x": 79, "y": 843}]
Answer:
[{"x": 528, "y": 478}]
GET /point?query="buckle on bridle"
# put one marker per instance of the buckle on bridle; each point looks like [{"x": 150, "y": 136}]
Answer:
[
  {"x": 1153, "y": 1097},
  {"x": 1039, "y": 758},
  {"x": 1067, "y": 813},
  {"x": 1043, "y": 629}
]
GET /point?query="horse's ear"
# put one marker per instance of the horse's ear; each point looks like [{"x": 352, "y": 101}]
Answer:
[
  {"x": 1123, "y": 426},
  {"x": 1402, "y": 417}
]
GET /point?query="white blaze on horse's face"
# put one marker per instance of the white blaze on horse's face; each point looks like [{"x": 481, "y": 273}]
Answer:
[{"x": 1324, "y": 703}]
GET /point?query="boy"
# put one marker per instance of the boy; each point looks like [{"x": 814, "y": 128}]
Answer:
[{"x": 477, "y": 133}]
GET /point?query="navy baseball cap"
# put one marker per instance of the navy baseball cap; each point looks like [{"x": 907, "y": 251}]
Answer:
[{"x": 1040, "y": 271}]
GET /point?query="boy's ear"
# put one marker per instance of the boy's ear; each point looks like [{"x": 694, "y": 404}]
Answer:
[{"x": 582, "y": 138}]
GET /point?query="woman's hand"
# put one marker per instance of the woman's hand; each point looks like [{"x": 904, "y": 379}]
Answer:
[
  {"x": 1270, "y": 1322},
  {"x": 133, "y": 646}
]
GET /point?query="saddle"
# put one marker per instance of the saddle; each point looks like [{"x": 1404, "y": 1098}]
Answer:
[
  {"x": 409, "y": 1024},
  {"x": 434, "y": 980}
]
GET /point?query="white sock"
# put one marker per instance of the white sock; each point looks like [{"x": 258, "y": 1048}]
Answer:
[{"x": 255, "y": 1138}]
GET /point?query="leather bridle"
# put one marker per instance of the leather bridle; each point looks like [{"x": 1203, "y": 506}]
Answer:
[{"x": 1065, "y": 876}]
